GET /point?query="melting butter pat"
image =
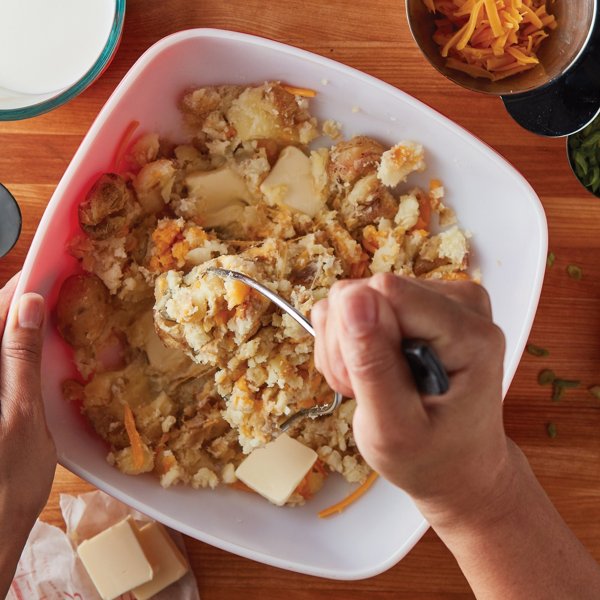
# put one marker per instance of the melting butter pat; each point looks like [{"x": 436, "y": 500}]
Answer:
[
  {"x": 162, "y": 358},
  {"x": 167, "y": 562},
  {"x": 276, "y": 470},
  {"x": 115, "y": 560},
  {"x": 217, "y": 189},
  {"x": 291, "y": 182}
]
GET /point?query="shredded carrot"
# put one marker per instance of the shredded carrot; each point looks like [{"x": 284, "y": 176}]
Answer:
[
  {"x": 298, "y": 91},
  {"x": 242, "y": 384},
  {"x": 222, "y": 316},
  {"x": 135, "y": 440},
  {"x": 238, "y": 485},
  {"x": 319, "y": 467},
  {"x": 370, "y": 241},
  {"x": 164, "y": 463},
  {"x": 124, "y": 143},
  {"x": 458, "y": 276},
  {"x": 358, "y": 270},
  {"x": 424, "y": 212},
  {"x": 490, "y": 39},
  {"x": 239, "y": 292},
  {"x": 350, "y": 499},
  {"x": 312, "y": 481}
]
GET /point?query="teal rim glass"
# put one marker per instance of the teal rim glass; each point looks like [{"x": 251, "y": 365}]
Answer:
[{"x": 33, "y": 110}]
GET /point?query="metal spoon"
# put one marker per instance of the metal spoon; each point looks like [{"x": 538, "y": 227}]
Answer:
[
  {"x": 314, "y": 411},
  {"x": 10, "y": 221},
  {"x": 429, "y": 374}
]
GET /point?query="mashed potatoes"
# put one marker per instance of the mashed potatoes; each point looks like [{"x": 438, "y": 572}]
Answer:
[{"x": 183, "y": 373}]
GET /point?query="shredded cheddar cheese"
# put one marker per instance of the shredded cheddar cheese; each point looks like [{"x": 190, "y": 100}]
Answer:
[
  {"x": 137, "y": 450},
  {"x": 348, "y": 500},
  {"x": 298, "y": 91},
  {"x": 491, "y": 39}
]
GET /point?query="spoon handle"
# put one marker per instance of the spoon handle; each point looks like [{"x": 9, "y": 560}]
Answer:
[{"x": 429, "y": 374}]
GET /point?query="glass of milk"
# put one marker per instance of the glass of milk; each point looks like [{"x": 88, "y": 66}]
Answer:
[{"x": 52, "y": 50}]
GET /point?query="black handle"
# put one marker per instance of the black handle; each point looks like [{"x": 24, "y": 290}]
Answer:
[{"x": 430, "y": 376}]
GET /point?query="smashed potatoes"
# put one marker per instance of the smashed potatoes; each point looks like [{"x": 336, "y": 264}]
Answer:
[{"x": 182, "y": 372}]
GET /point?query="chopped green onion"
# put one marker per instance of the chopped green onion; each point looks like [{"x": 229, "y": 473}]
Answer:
[
  {"x": 550, "y": 260},
  {"x": 594, "y": 390},
  {"x": 558, "y": 391},
  {"x": 591, "y": 140},
  {"x": 582, "y": 164},
  {"x": 560, "y": 385},
  {"x": 536, "y": 350},
  {"x": 551, "y": 430},
  {"x": 546, "y": 377},
  {"x": 584, "y": 149},
  {"x": 574, "y": 271},
  {"x": 567, "y": 383}
]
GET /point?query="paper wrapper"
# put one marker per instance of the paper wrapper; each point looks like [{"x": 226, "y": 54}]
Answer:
[{"x": 50, "y": 567}]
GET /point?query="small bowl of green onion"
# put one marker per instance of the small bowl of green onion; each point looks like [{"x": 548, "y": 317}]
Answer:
[{"x": 583, "y": 150}]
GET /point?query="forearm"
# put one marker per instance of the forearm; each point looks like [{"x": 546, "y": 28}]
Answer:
[
  {"x": 518, "y": 546},
  {"x": 12, "y": 545}
]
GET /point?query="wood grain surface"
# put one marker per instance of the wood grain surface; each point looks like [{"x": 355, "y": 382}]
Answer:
[{"x": 374, "y": 37}]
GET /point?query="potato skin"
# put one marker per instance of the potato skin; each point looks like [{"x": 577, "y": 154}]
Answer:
[
  {"x": 353, "y": 159},
  {"x": 83, "y": 310},
  {"x": 107, "y": 210},
  {"x": 368, "y": 201}
]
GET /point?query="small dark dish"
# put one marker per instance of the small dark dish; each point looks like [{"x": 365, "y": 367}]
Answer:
[{"x": 10, "y": 221}]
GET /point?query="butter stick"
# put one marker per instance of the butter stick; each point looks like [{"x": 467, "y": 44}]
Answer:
[
  {"x": 167, "y": 562},
  {"x": 115, "y": 560}
]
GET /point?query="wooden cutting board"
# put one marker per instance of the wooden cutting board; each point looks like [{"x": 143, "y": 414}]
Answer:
[{"x": 374, "y": 37}]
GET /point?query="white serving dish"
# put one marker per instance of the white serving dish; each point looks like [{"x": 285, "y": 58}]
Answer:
[{"x": 492, "y": 201}]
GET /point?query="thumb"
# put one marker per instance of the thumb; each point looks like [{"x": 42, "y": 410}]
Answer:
[
  {"x": 370, "y": 346},
  {"x": 21, "y": 355}
]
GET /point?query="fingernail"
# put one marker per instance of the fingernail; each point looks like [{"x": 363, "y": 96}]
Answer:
[
  {"x": 359, "y": 312},
  {"x": 31, "y": 311}
]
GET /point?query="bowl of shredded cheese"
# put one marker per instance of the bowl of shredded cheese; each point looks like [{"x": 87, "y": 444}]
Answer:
[
  {"x": 517, "y": 49},
  {"x": 501, "y": 47}
]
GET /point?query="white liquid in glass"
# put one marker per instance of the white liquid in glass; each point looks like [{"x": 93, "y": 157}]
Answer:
[{"x": 48, "y": 45}]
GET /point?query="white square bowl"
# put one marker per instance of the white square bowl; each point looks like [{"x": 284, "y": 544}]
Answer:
[{"x": 491, "y": 199}]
